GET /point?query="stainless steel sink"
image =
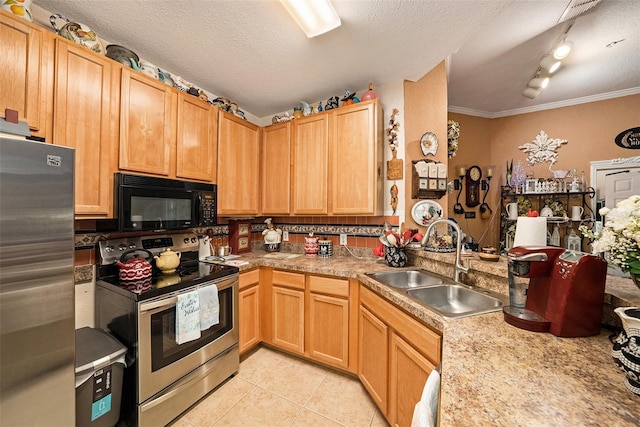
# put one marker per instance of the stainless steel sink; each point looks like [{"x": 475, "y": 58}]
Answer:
[
  {"x": 450, "y": 300},
  {"x": 405, "y": 279},
  {"x": 441, "y": 294}
]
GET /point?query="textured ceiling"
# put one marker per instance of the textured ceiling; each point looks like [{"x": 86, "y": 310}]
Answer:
[{"x": 253, "y": 53}]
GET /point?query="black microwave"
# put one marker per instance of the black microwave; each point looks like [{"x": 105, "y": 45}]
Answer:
[{"x": 149, "y": 203}]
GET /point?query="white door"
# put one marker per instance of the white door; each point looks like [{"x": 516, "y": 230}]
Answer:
[{"x": 621, "y": 185}]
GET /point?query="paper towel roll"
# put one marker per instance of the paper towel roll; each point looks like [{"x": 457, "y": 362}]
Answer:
[{"x": 531, "y": 231}]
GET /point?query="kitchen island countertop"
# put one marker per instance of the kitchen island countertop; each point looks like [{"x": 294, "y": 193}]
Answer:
[{"x": 494, "y": 373}]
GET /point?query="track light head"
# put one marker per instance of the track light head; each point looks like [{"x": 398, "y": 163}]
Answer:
[
  {"x": 550, "y": 64},
  {"x": 530, "y": 92},
  {"x": 563, "y": 49}
]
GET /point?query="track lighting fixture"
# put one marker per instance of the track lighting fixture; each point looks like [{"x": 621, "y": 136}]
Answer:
[
  {"x": 550, "y": 64},
  {"x": 538, "y": 82},
  {"x": 562, "y": 50}
]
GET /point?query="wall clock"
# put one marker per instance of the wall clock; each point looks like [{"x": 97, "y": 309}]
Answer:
[{"x": 472, "y": 183}]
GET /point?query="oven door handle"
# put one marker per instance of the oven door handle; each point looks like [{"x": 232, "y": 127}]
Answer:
[{"x": 165, "y": 302}]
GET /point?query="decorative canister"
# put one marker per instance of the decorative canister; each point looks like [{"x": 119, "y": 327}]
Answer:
[
  {"x": 395, "y": 256},
  {"x": 325, "y": 248},
  {"x": 77, "y": 32},
  {"x": 626, "y": 347},
  {"x": 21, "y": 8},
  {"x": 311, "y": 245}
]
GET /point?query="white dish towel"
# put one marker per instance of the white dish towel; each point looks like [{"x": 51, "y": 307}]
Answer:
[
  {"x": 188, "y": 317},
  {"x": 425, "y": 413},
  {"x": 209, "y": 307}
]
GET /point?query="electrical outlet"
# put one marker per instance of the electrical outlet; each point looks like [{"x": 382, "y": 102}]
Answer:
[
  {"x": 343, "y": 238},
  {"x": 285, "y": 236}
]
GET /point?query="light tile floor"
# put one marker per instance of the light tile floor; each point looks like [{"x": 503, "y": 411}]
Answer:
[{"x": 273, "y": 389}]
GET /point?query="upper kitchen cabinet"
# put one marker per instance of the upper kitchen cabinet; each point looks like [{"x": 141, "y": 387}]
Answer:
[
  {"x": 310, "y": 165},
  {"x": 196, "y": 139},
  {"x": 84, "y": 104},
  {"x": 356, "y": 159},
  {"x": 238, "y": 166},
  {"x": 25, "y": 71},
  {"x": 147, "y": 125},
  {"x": 276, "y": 169}
]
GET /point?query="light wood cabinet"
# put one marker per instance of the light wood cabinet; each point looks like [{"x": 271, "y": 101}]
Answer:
[
  {"x": 356, "y": 159},
  {"x": 249, "y": 310},
  {"x": 309, "y": 191},
  {"x": 337, "y": 162},
  {"x": 410, "y": 350},
  {"x": 25, "y": 71},
  {"x": 288, "y": 311},
  {"x": 328, "y": 320},
  {"x": 84, "y": 104},
  {"x": 373, "y": 356},
  {"x": 276, "y": 169},
  {"x": 197, "y": 139},
  {"x": 147, "y": 125},
  {"x": 238, "y": 166},
  {"x": 408, "y": 372}
]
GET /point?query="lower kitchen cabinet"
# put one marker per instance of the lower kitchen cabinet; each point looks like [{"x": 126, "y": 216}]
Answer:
[
  {"x": 408, "y": 372},
  {"x": 397, "y": 355},
  {"x": 249, "y": 310},
  {"x": 288, "y": 311},
  {"x": 373, "y": 355},
  {"x": 328, "y": 320}
]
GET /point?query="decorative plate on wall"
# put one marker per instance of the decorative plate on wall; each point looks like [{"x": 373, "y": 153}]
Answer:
[
  {"x": 425, "y": 212},
  {"x": 429, "y": 143}
]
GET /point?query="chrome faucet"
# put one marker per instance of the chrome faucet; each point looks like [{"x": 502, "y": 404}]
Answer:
[{"x": 458, "y": 268}]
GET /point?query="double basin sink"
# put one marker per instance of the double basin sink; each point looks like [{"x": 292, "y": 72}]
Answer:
[{"x": 444, "y": 296}]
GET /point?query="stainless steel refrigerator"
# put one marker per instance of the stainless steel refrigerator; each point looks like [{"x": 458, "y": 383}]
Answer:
[{"x": 37, "y": 380}]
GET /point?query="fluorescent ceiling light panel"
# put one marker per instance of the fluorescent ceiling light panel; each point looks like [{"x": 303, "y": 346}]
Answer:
[{"x": 315, "y": 17}]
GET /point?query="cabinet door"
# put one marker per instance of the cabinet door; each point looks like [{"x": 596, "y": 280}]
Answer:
[
  {"x": 288, "y": 319},
  {"x": 276, "y": 169},
  {"x": 238, "y": 166},
  {"x": 249, "y": 315},
  {"x": 329, "y": 329},
  {"x": 84, "y": 91},
  {"x": 356, "y": 156},
  {"x": 408, "y": 373},
  {"x": 309, "y": 170},
  {"x": 24, "y": 71},
  {"x": 197, "y": 137},
  {"x": 147, "y": 124},
  {"x": 373, "y": 354}
]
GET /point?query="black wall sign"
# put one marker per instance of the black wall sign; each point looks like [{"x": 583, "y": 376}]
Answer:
[{"x": 629, "y": 138}]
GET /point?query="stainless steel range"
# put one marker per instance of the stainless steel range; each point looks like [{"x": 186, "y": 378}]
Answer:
[{"x": 163, "y": 378}]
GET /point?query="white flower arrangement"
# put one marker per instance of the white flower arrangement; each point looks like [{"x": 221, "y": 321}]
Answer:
[{"x": 620, "y": 236}]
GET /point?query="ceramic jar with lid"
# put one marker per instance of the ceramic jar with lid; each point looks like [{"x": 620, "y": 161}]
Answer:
[
  {"x": 626, "y": 347},
  {"x": 20, "y": 8},
  {"x": 311, "y": 245}
]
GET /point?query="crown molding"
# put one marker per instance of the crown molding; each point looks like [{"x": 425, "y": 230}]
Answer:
[{"x": 542, "y": 107}]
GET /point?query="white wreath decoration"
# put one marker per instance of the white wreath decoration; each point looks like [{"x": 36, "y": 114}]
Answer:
[{"x": 542, "y": 149}]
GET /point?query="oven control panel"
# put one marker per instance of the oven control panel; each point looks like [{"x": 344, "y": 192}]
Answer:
[{"x": 111, "y": 250}]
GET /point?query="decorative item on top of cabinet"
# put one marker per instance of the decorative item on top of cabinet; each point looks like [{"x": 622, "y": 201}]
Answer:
[
  {"x": 240, "y": 235},
  {"x": 20, "y": 8},
  {"x": 77, "y": 33},
  {"x": 429, "y": 179},
  {"x": 453, "y": 133}
]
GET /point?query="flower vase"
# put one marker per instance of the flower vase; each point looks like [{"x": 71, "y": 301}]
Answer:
[
  {"x": 395, "y": 257},
  {"x": 626, "y": 347}
]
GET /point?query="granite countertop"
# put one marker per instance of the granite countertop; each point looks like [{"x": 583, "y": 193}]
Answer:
[{"x": 494, "y": 373}]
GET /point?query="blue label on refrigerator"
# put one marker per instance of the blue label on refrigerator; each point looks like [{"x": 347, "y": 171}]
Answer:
[{"x": 101, "y": 393}]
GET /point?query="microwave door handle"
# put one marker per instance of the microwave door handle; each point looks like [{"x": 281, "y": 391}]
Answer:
[{"x": 200, "y": 209}]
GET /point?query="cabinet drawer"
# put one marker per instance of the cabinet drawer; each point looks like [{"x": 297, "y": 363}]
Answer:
[
  {"x": 289, "y": 280},
  {"x": 249, "y": 278},
  {"x": 330, "y": 286}
]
